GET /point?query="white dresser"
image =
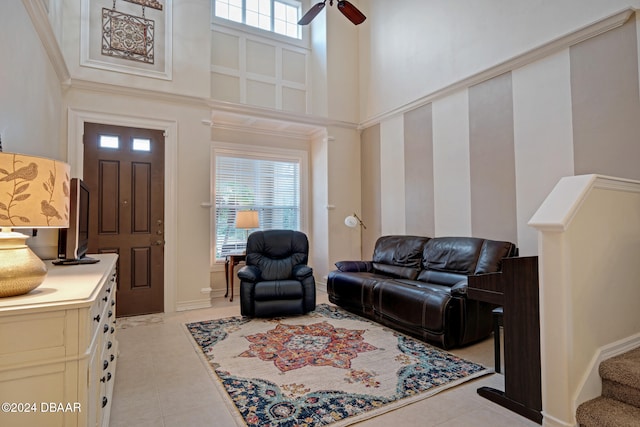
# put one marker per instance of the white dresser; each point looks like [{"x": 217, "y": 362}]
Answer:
[{"x": 58, "y": 348}]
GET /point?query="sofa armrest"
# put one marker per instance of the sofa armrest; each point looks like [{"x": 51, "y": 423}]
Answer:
[
  {"x": 460, "y": 288},
  {"x": 302, "y": 271},
  {"x": 249, "y": 273},
  {"x": 354, "y": 266}
]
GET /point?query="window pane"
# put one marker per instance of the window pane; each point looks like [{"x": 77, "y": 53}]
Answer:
[
  {"x": 235, "y": 14},
  {"x": 270, "y": 187},
  {"x": 108, "y": 141},
  {"x": 252, "y": 19},
  {"x": 265, "y": 22},
  {"x": 253, "y": 5},
  {"x": 263, "y": 14},
  {"x": 140, "y": 144}
]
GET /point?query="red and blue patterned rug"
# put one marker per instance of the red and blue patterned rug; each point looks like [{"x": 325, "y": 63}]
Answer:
[{"x": 329, "y": 367}]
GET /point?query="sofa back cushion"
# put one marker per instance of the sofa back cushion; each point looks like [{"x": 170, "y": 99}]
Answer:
[
  {"x": 452, "y": 254},
  {"x": 399, "y": 256},
  {"x": 491, "y": 255},
  {"x": 446, "y": 258}
]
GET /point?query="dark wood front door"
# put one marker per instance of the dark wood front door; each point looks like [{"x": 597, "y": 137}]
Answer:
[{"x": 124, "y": 170}]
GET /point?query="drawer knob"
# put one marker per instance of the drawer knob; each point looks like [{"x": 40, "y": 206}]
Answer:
[
  {"x": 112, "y": 330},
  {"x": 110, "y": 313},
  {"x": 104, "y": 401},
  {"x": 113, "y": 302},
  {"x": 108, "y": 376},
  {"x": 103, "y": 379},
  {"x": 106, "y": 328},
  {"x": 112, "y": 357},
  {"x": 105, "y": 299},
  {"x": 97, "y": 318},
  {"x": 109, "y": 345},
  {"x": 105, "y": 365}
]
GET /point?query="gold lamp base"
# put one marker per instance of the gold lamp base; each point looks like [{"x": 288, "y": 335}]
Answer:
[{"x": 21, "y": 270}]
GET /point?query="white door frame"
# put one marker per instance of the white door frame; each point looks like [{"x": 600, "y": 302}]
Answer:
[{"x": 75, "y": 156}]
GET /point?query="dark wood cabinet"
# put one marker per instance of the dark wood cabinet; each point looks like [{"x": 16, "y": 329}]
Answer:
[{"x": 516, "y": 289}]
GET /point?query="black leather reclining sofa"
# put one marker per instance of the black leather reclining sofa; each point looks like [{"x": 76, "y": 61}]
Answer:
[{"x": 418, "y": 285}]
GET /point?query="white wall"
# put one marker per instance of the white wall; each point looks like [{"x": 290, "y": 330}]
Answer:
[
  {"x": 30, "y": 93},
  {"x": 190, "y": 50},
  {"x": 426, "y": 45}
]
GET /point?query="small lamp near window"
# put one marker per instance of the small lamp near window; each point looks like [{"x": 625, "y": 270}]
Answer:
[
  {"x": 352, "y": 221},
  {"x": 247, "y": 220},
  {"x": 34, "y": 193}
]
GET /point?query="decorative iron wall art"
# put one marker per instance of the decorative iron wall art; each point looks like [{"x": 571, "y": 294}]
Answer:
[{"x": 129, "y": 36}]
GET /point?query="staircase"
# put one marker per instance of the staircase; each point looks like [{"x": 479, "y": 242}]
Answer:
[{"x": 619, "y": 404}]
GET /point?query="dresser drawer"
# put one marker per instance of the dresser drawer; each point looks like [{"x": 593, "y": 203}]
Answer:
[{"x": 33, "y": 338}]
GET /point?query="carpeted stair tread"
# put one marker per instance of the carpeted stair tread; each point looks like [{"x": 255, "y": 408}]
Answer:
[
  {"x": 605, "y": 412},
  {"x": 623, "y": 369},
  {"x": 621, "y": 392}
]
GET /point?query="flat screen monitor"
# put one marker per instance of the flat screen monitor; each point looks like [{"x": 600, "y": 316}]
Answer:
[{"x": 73, "y": 242}]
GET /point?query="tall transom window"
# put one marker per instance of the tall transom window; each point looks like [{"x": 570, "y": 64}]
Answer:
[{"x": 278, "y": 16}]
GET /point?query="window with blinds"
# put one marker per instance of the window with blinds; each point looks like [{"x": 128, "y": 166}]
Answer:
[{"x": 269, "y": 186}]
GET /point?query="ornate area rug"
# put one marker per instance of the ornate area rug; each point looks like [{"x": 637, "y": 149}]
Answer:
[{"x": 327, "y": 367}]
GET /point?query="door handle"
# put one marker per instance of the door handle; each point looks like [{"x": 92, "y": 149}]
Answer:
[{"x": 159, "y": 242}]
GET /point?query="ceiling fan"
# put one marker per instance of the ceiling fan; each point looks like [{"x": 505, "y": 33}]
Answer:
[{"x": 347, "y": 9}]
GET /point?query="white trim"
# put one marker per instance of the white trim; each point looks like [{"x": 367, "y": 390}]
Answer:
[
  {"x": 87, "y": 61},
  {"x": 39, "y": 16},
  {"x": 557, "y": 211},
  {"x": 75, "y": 153},
  {"x": 591, "y": 384},
  {"x": 195, "y": 304},
  {"x": 515, "y": 62},
  {"x": 277, "y": 80}
]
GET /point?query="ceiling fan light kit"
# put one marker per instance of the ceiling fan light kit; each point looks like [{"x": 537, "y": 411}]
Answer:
[{"x": 349, "y": 10}]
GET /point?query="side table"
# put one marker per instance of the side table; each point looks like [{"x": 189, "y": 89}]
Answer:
[{"x": 231, "y": 260}]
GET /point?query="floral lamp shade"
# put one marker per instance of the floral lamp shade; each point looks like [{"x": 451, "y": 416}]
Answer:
[{"x": 34, "y": 192}]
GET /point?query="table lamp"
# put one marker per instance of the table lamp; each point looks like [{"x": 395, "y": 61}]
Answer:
[
  {"x": 247, "y": 220},
  {"x": 34, "y": 193}
]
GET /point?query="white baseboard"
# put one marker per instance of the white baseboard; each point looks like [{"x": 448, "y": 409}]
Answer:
[
  {"x": 193, "y": 304},
  {"x": 591, "y": 385},
  {"x": 549, "y": 421}
]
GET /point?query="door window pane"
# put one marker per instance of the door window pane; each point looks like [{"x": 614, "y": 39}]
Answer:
[
  {"x": 140, "y": 144},
  {"x": 109, "y": 141}
]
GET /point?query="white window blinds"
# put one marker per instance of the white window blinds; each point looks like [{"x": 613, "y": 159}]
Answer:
[{"x": 271, "y": 187}]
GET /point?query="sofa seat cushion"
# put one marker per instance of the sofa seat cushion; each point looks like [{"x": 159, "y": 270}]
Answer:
[
  {"x": 399, "y": 256},
  {"x": 431, "y": 287},
  {"x": 278, "y": 289},
  {"x": 411, "y": 305}
]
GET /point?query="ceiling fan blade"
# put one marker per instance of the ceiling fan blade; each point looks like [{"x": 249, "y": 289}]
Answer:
[
  {"x": 311, "y": 13},
  {"x": 351, "y": 12}
]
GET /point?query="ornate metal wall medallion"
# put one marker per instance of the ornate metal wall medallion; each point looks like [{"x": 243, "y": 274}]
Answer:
[{"x": 128, "y": 36}]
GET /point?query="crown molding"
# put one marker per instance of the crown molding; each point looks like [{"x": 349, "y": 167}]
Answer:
[
  {"x": 518, "y": 61},
  {"x": 225, "y": 115},
  {"x": 40, "y": 19}
]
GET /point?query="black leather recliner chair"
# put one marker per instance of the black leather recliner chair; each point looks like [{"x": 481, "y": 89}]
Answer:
[{"x": 276, "y": 279}]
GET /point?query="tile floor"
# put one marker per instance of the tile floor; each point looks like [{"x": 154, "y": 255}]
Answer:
[{"x": 161, "y": 381}]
